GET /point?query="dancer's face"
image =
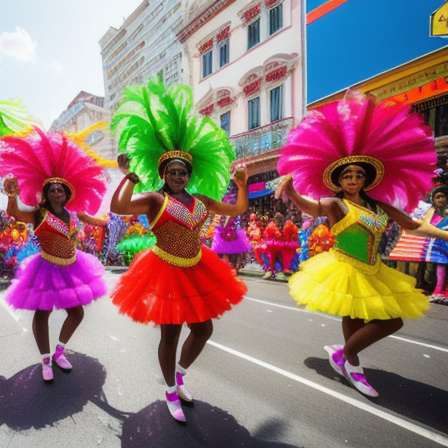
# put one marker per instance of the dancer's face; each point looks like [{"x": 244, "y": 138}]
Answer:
[
  {"x": 57, "y": 195},
  {"x": 176, "y": 177},
  {"x": 440, "y": 199},
  {"x": 352, "y": 179}
]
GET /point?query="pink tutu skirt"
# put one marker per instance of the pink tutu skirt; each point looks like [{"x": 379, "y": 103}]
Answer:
[
  {"x": 238, "y": 243},
  {"x": 41, "y": 285}
]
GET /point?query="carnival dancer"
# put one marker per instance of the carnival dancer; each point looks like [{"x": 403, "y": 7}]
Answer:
[
  {"x": 423, "y": 251},
  {"x": 55, "y": 178},
  {"x": 253, "y": 230},
  {"x": 359, "y": 146},
  {"x": 290, "y": 246},
  {"x": 231, "y": 242},
  {"x": 182, "y": 165}
]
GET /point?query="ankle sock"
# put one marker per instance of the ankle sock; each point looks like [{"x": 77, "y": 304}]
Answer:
[
  {"x": 46, "y": 359},
  {"x": 171, "y": 389}
]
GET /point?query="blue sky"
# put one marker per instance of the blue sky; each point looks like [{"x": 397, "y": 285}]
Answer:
[
  {"x": 362, "y": 38},
  {"x": 49, "y": 50}
]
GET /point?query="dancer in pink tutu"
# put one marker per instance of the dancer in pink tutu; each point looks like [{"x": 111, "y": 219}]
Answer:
[
  {"x": 231, "y": 242},
  {"x": 55, "y": 178}
]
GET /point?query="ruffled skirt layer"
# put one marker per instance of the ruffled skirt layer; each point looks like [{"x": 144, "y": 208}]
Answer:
[
  {"x": 153, "y": 290},
  {"x": 41, "y": 285},
  {"x": 239, "y": 245},
  {"x": 328, "y": 285}
]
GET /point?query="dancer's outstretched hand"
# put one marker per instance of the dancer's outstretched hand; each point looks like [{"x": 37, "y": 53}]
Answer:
[
  {"x": 284, "y": 187},
  {"x": 11, "y": 187},
  {"x": 240, "y": 175},
  {"x": 123, "y": 163}
]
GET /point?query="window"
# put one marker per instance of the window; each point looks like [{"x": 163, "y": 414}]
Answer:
[
  {"x": 441, "y": 125},
  {"x": 224, "y": 52},
  {"x": 253, "y": 34},
  {"x": 207, "y": 63},
  {"x": 275, "y": 19},
  {"x": 276, "y": 103},
  {"x": 225, "y": 122},
  {"x": 254, "y": 113}
]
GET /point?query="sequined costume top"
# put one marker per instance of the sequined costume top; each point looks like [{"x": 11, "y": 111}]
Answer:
[
  {"x": 357, "y": 237},
  {"x": 56, "y": 239},
  {"x": 177, "y": 229}
]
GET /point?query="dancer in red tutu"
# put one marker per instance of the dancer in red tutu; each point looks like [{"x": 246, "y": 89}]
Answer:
[
  {"x": 49, "y": 169},
  {"x": 180, "y": 164}
]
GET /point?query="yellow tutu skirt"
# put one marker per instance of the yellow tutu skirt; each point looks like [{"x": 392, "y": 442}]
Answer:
[{"x": 326, "y": 284}]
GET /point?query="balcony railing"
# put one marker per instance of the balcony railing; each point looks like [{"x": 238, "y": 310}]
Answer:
[{"x": 263, "y": 139}]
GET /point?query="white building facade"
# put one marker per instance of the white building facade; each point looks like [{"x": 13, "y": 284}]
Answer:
[
  {"x": 145, "y": 45},
  {"x": 84, "y": 111},
  {"x": 244, "y": 63}
]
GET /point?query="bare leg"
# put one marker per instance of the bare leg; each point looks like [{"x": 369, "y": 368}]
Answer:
[
  {"x": 74, "y": 318},
  {"x": 167, "y": 352},
  {"x": 194, "y": 344},
  {"x": 40, "y": 330},
  {"x": 365, "y": 335},
  {"x": 351, "y": 326}
]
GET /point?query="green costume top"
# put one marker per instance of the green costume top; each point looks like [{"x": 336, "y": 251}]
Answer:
[{"x": 358, "y": 235}]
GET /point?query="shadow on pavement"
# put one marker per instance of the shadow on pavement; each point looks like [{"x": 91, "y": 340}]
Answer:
[
  {"x": 26, "y": 401},
  {"x": 207, "y": 426},
  {"x": 411, "y": 399}
]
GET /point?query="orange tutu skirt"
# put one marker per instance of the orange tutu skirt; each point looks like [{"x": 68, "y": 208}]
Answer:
[{"x": 153, "y": 290}]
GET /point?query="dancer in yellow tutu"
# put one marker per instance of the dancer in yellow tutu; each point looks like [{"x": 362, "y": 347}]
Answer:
[{"x": 359, "y": 146}]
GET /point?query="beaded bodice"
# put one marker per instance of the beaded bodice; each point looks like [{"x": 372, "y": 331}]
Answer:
[
  {"x": 358, "y": 234},
  {"x": 177, "y": 228},
  {"x": 56, "y": 239}
]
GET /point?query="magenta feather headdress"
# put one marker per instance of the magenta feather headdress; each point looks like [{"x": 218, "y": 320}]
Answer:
[
  {"x": 34, "y": 158},
  {"x": 385, "y": 136}
]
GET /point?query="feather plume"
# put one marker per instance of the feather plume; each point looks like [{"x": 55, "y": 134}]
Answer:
[
  {"x": 356, "y": 125},
  {"x": 152, "y": 120}
]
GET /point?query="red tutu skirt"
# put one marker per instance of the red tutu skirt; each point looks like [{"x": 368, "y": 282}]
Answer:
[{"x": 153, "y": 290}]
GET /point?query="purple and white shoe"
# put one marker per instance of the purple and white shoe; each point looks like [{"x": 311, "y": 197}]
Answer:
[
  {"x": 355, "y": 375},
  {"x": 336, "y": 357},
  {"x": 174, "y": 406},
  {"x": 60, "y": 358},
  {"x": 183, "y": 392},
  {"x": 47, "y": 369}
]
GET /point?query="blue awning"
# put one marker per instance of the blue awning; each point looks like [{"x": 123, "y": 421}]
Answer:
[{"x": 260, "y": 193}]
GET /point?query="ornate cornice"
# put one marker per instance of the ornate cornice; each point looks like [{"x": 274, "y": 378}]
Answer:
[{"x": 202, "y": 18}]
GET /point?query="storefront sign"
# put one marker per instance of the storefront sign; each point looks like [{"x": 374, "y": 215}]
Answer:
[
  {"x": 439, "y": 22},
  {"x": 417, "y": 79}
]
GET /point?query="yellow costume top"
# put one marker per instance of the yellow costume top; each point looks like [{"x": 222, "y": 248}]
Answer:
[{"x": 350, "y": 279}]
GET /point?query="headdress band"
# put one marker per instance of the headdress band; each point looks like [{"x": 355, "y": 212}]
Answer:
[
  {"x": 375, "y": 163},
  {"x": 60, "y": 180},
  {"x": 176, "y": 154}
]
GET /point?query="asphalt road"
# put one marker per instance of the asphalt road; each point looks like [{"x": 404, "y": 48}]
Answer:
[{"x": 263, "y": 381}]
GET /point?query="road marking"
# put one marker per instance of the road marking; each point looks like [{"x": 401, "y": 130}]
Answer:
[
  {"x": 327, "y": 316},
  {"x": 358, "y": 404},
  {"x": 12, "y": 313}
]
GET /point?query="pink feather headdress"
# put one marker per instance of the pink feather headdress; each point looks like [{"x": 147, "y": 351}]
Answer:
[
  {"x": 394, "y": 143},
  {"x": 36, "y": 158}
]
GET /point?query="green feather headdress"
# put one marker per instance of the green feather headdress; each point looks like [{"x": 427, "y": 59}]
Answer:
[{"x": 153, "y": 120}]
